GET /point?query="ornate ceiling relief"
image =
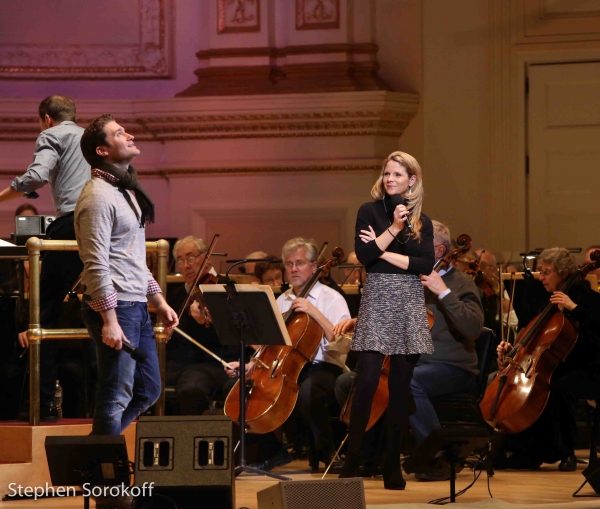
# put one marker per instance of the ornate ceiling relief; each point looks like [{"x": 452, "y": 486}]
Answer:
[{"x": 149, "y": 57}]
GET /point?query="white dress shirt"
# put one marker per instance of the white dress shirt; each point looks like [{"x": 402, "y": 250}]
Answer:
[{"x": 333, "y": 306}]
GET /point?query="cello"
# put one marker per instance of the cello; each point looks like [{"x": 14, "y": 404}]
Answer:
[
  {"x": 382, "y": 393},
  {"x": 517, "y": 396},
  {"x": 272, "y": 383}
]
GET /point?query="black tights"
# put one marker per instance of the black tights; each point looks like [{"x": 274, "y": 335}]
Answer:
[{"x": 369, "y": 371}]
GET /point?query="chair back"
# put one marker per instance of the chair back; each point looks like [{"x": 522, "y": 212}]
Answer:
[{"x": 486, "y": 351}]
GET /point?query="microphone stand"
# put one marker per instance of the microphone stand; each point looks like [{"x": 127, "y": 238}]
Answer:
[{"x": 240, "y": 321}]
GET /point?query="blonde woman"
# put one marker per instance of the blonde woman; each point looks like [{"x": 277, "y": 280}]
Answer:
[{"x": 394, "y": 241}]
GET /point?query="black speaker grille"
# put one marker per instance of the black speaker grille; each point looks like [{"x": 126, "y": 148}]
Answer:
[{"x": 335, "y": 494}]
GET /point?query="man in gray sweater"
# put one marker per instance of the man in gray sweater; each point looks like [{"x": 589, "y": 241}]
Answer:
[
  {"x": 110, "y": 219},
  {"x": 452, "y": 368}
]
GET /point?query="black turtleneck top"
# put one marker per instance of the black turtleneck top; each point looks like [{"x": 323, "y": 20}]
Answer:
[{"x": 420, "y": 254}]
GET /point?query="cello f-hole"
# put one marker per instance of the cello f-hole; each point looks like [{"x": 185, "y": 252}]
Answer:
[
  {"x": 275, "y": 366},
  {"x": 529, "y": 366}
]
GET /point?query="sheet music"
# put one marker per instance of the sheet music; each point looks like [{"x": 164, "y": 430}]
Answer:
[
  {"x": 246, "y": 289},
  {"x": 3, "y": 243}
]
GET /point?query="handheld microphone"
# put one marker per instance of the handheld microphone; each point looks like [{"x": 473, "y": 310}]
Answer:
[
  {"x": 136, "y": 354},
  {"x": 397, "y": 199}
]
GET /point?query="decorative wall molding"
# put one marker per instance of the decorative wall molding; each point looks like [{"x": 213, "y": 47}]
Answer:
[
  {"x": 149, "y": 58},
  {"x": 187, "y": 172},
  {"x": 168, "y": 173},
  {"x": 238, "y": 16},
  {"x": 282, "y": 125},
  {"x": 342, "y": 76},
  {"x": 546, "y": 21},
  {"x": 317, "y": 14},
  {"x": 366, "y": 48}
]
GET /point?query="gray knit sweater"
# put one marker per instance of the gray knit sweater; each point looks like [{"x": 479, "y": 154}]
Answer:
[
  {"x": 111, "y": 243},
  {"x": 458, "y": 323}
]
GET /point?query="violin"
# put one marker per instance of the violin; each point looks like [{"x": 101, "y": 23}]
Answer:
[
  {"x": 382, "y": 394},
  {"x": 517, "y": 396},
  {"x": 489, "y": 285},
  {"x": 272, "y": 383},
  {"x": 206, "y": 279},
  {"x": 201, "y": 278}
]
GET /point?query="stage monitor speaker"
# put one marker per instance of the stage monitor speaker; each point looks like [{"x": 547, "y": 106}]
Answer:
[
  {"x": 324, "y": 494},
  {"x": 100, "y": 460},
  {"x": 188, "y": 458}
]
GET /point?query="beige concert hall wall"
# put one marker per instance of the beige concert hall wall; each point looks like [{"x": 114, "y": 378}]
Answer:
[{"x": 276, "y": 122}]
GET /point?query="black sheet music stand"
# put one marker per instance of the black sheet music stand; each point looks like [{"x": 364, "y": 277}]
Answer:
[
  {"x": 94, "y": 460},
  {"x": 246, "y": 315}
]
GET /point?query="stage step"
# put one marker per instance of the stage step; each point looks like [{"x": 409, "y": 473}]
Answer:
[{"x": 23, "y": 456}]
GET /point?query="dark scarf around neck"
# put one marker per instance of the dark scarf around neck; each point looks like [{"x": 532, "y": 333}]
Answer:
[{"x": 128, "y": 180}]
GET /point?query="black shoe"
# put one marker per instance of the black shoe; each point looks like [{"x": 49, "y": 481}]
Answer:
[
  {"x": 568, "y": 464},
  {"x": 48, "y": 413},
  {"x": 392, "y": 473},
  {"x": 351, "y": 467},
  {"x": 283, "y": 457},
  {"x": 367, "y": 470},
  {"x": 432, "y": 476},
  {"x": 518, "y": 461}
]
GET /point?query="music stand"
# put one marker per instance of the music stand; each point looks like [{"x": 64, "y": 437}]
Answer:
[
  {"x": 246, "y": 315},
  {"x": 94, "y": 460},
  {"x": 445, "y": 450}
]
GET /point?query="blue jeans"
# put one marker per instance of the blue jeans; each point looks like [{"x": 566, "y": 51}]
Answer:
[
  {"x": 435, "y": 379},
  {"x": 126, "y": 388}
]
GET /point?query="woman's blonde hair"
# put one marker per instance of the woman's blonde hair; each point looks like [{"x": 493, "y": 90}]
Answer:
[{"x": 414, "y": 199}]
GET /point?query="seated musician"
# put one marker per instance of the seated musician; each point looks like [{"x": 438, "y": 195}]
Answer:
[
  {"x": 587, "y": 259},
  {"x": 452, "y": 367},
  {"x": 196, "y": 376},
  {"x": 317, "y": 379},
  {"x": 269, "y": 273},
  {"x": 551, "y": 437},
  {"x": 249, "y": 268},
  {"x": 326, "y": 307},
  {"x": 487, "y": 281}
]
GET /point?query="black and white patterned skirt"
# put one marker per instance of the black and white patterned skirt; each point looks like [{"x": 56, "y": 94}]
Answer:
[{"x": 392, "y": 318}]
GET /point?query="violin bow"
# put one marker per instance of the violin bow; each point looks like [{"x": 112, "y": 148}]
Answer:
[
  {"x": 511, "y": 300},
  {"x": 193, "y": 341}
]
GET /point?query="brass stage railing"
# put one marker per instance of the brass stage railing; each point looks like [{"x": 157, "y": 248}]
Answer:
[{"x": 36, "y": 334}]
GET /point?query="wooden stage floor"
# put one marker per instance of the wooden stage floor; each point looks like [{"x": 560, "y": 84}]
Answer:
[{"x": 517, "y": 487}]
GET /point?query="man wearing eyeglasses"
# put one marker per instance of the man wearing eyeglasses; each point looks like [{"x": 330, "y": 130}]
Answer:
[
  {"x": 196, "y": 376},
  {"x": 317, "y": 379}
]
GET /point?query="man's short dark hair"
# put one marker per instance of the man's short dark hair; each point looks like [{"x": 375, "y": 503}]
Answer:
[
  {"x": 26, "y": 206},
  {"x": 262, "y": 267},
  {"x": 58, "y": 107},
  {"x": 94, "y": 137}
]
